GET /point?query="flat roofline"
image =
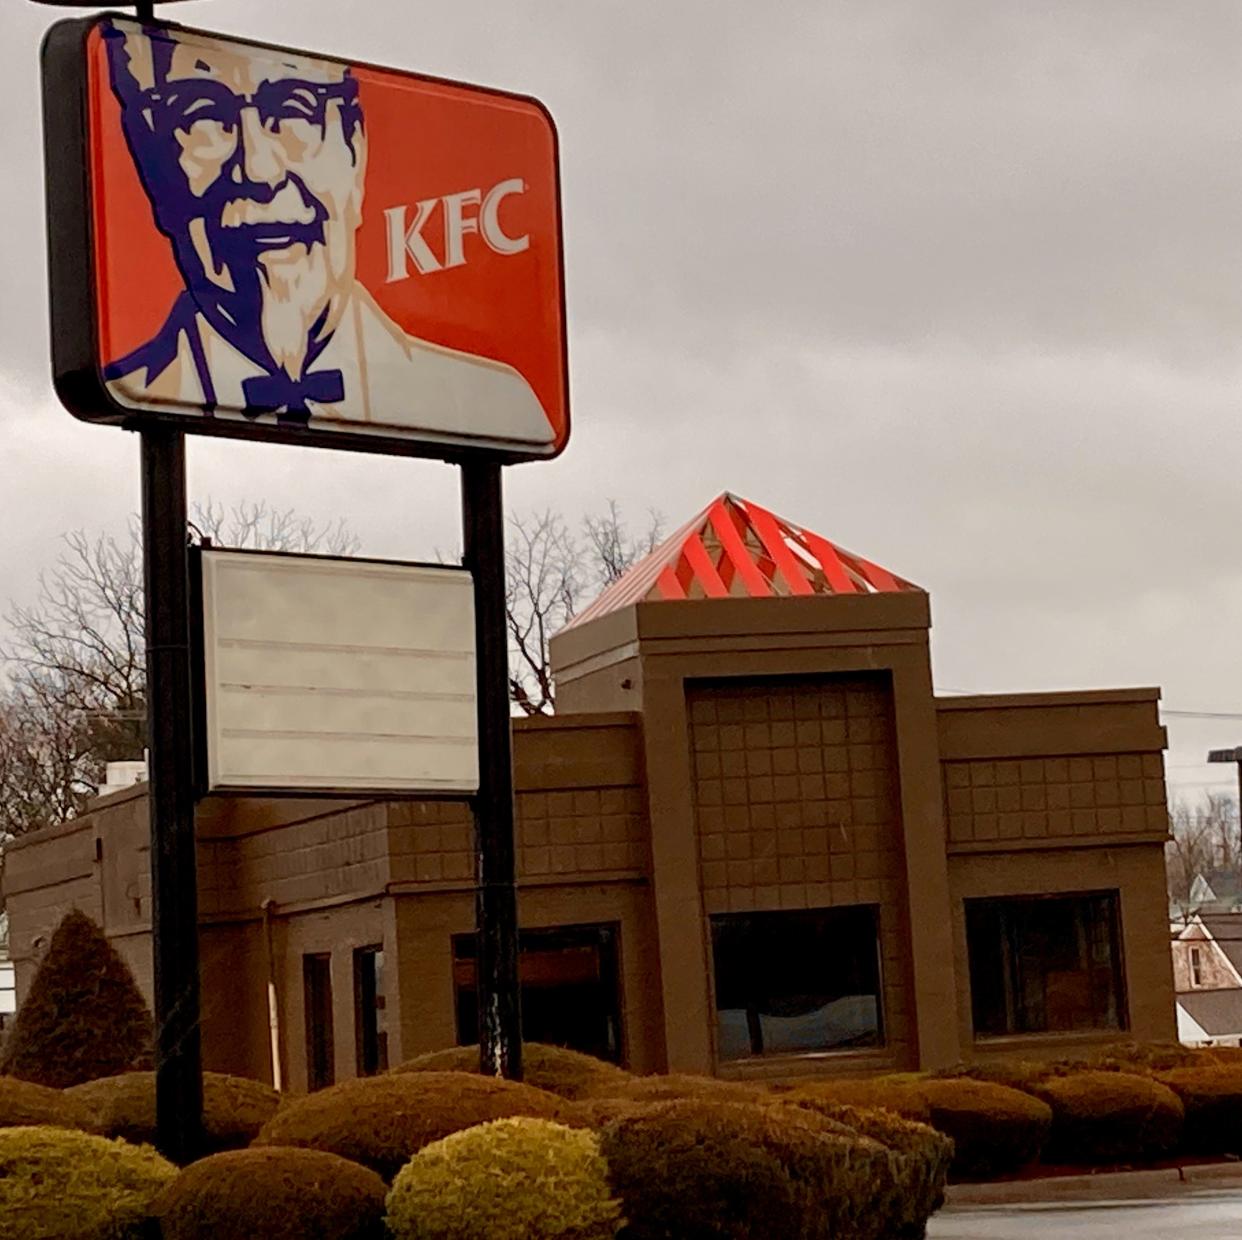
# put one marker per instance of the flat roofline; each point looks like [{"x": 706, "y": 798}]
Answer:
[{"x": 1057, "y": 697}]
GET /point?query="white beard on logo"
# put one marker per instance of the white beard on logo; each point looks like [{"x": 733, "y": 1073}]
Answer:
[{"x": 295, "y": 288}]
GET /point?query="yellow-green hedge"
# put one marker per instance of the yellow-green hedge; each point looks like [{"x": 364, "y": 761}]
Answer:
[
  {"x": 382, "y": 1121},
  {"x": 735, "y": 1170},
  {"x": 1212, "y": 1098},
  {"x": 272, "y": 1194},
  {"x": 568, "y": 1074},
  {"x": 511, "y": 1179},
  {"x": 234, "y": 1108},
  {"x": 995, "y": 1129},
  {"x": 1109, "y": 1117},
  {"x": 57, "y": 1184},
  {"x": 921, "y": 1158},
  {"x": 23, "y": 1104}
]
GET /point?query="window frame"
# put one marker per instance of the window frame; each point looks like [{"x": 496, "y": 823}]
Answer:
[
  {"x": 1196, "y": 966},
  {"x": 880, "y": 1045},
  {"x": 370, "y": 1041},
  {"x": 320, "y": 1044},
  {"x": 1121, "y": 1000}
]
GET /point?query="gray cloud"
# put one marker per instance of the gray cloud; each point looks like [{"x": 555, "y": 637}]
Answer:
[{"x": 959, "y": 285}]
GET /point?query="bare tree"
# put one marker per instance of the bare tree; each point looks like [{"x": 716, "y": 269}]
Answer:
[
  {"x": 1203, "y": 838},
  {"x": 549, "y": 573},
  {"x": 75, "y": 697}
]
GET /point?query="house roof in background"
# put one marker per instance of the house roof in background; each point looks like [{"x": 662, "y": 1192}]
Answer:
[
  {"x": 1226, "y": 932},
  {"x": 1217, "y": 1012}
]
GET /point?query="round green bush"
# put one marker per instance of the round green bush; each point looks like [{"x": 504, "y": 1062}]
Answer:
[
  {"x": 1212, "y": 1098},
  {"x": 234, "y": 1108},
  {"x": 1109, "y": 1117},
  {"x": 995, "y": 1129},
  {"x": 921, "y": 1157},
  {"x": 56, "y": 1184},
  {"x": 697, "y": 1168},
  {"x": 272, "y": 1194},
  {"x": 24, "y": 1104},
  {"x": 510, "y": 1179},
  {"x": 568, "y": 1074},
  {"x": 382, "y": 1121}
]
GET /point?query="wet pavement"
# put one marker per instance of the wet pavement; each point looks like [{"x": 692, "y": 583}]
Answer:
[{"x": 1195, "y": 1214}]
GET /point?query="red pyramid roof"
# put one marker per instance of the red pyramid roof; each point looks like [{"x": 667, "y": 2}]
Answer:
[{"x": 736, "y": 549}]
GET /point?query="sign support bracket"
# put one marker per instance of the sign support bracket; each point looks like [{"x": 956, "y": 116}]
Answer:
[
  {"x": 174, "y": 888},
  {"x": 497, "y": 978}
]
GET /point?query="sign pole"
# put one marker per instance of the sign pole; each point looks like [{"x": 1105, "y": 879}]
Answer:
[
  {"x": 174, "y": 890},
  {"x": 500, "y": 1021}
]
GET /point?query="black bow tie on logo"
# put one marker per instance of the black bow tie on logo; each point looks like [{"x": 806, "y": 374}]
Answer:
[{"x": 279, "y": 392}]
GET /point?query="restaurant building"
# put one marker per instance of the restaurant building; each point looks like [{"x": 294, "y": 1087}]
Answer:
[{"x": 752, "y": 842}]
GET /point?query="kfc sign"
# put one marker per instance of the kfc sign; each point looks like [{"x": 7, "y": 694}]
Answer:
[{"x": 253, "y": 241}]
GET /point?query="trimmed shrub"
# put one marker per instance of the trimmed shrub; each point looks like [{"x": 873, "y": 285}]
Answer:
[
  {"x": 234, "y": 1108},
  {"x": 901, "y": 1099},
  {"x": 921, "y": 1155},
  {"x": 24, "y": 1104},
  {"x": 383, "y": 1121},
  {"x": 1142, "y": 1057},
  {"x": 272, "y": 1194},
  {"x": 1021, "y": 1074},
  {"x": 1106, "y": 1117},
  {"x": 676, "y": 1086},
  {"x": 694, "y": 1168},
  {"x": 1212, "y": 1098},
  {"x": 510, "y": 1179},
  {"x": 56, "y": 1184},
  {"x": 83, "y": 1017},
  {"x": 995, "y": 1129},
  {"x": 568, "y": 1074}
]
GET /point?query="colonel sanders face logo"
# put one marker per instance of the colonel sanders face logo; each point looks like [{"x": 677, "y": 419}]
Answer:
[{"x": 255, "y": 169}]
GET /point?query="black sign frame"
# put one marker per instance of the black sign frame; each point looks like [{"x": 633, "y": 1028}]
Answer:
[{"x": 72, "y": 277}]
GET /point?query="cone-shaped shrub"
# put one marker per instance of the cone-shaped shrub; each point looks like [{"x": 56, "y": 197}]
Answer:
[
  {"x": 568, "y": 1074},
  {"x": 83, "y": 1017},
  {"x": 511, "y": 1179},
  {"x": 25, "y": 1104},
  {"x": 234, "y": 1108},
  {"x": 56, "y": 1184},
  {"x": 383, "y": 1121},
  {"x": 272, "y": 1194}
]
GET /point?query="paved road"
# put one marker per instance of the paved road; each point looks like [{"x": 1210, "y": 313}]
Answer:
[{"x": 1199, "y": 1215}]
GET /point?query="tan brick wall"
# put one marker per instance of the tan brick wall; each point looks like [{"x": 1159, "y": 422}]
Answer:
[
  {"x": 1049, "y": 798},
  {"x": 796, "y": 807}
]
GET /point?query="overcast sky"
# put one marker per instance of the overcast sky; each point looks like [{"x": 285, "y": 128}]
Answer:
[{"x": 958, "y": 285}]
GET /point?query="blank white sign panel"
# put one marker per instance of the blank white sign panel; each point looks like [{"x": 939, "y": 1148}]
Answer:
[{"x": 325, "y": 674}]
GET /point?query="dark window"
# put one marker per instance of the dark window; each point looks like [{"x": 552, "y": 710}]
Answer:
[
  {"x": 370, "y": 1026},
  {"x": 570, "y": 993},
  {"x": 794, "y": 982},
  {"x": 1196, "y": 967},
  {"x": 1045, "y": 964},
  {"x": 317, "y": 995}
]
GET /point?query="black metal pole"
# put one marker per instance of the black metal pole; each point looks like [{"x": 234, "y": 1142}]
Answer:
[
  {"x": 170, "y": 787},
  {"x": 500, "y": 1015}
]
